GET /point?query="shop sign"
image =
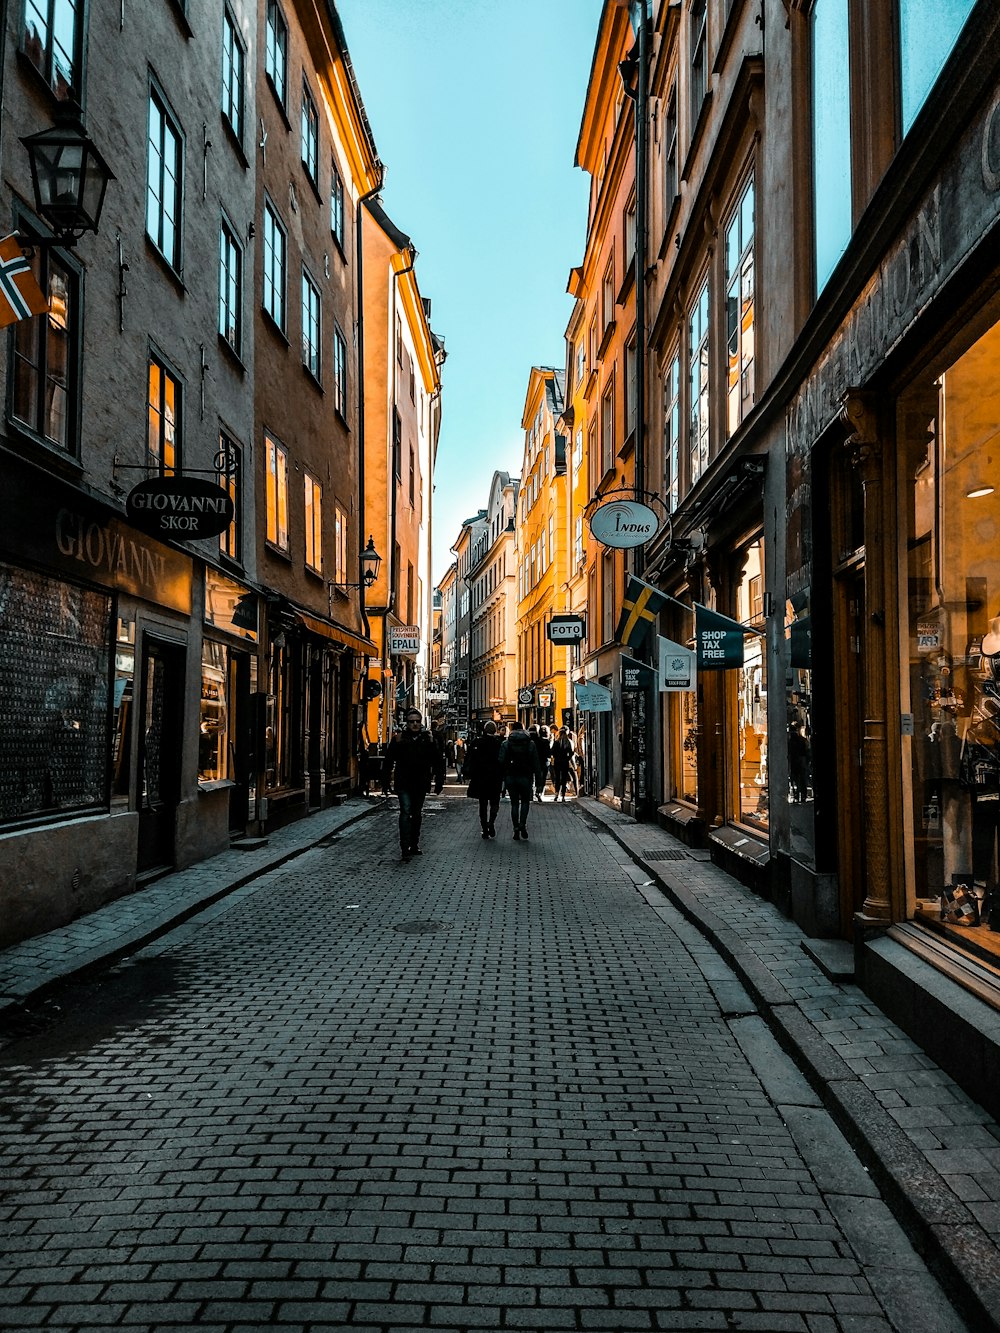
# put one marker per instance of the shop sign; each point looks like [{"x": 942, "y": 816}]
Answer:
[
  {"x": 183, "y": 508},
  {"x": 404, "y": 640},
  {"x": 928, "y": 636},
  {"x": 623, "y": 524},
  {"x": 109, "y": 553},
  {"x": 567, "y": 629},
  {"x": 525, "y": 697},
  {"x": 636, "y": 675},
  {"x": 592, "y": 698},
  {"x": 677, "y": 666},
  {"x": 718, "y": 639},
  {"x": 437, "y": 696},
  {"x": 546, "y": 698}
]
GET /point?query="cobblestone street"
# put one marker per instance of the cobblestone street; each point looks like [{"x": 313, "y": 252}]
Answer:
[{"x": 490, "y": 1088}]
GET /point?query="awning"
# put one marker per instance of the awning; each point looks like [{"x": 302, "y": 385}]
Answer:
[{"x": 326, "y": 629}]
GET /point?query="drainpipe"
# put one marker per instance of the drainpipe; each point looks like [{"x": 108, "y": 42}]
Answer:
[
  {"x": 359, "y": 268},
  {"x": 390, "y": 601}
]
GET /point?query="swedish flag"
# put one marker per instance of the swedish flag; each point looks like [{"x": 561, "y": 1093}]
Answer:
[{"x": 640, "y": 607}]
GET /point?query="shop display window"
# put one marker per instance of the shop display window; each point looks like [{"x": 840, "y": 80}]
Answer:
[
  {"x": 949, "y": 430},
  {"x": 213, "y": 730},
  {"x": 751, "y": 695},
  {"x": 54, "y": 681},
  {"x": 681, "y": 733}
]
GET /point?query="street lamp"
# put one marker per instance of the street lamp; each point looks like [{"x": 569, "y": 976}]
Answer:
[
  {"x": 69, "y": 177},
  {"x": 370, "y": 562}
]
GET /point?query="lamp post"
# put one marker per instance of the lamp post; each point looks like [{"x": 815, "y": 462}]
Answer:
[
  {"x": 370, "y": 563},
  {"x": 69, "y": 178}
]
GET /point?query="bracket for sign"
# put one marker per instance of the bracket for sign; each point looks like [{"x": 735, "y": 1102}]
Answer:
[
  {"x": 223, "y": 463},
  {"x": 633, "y": 494}
]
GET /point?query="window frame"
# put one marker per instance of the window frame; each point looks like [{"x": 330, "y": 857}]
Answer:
[
  {"x": 312, "y": 319},
  {"x": 227, "y": 234},
  {"x": 340, "y": 537},
  {"x": 230, "y": 479},
  {"x": 267, "y": 283},
  {"x": 340, "y": 373},
  {"x": 735, "y": 280},
  {"x": 156, "y": 461},
  {"x": 699, "y": 353},
  {"x": 175, "y": 258},
  {"x": 309, "y": 134},
  {"x": 671, "y": 155},
  {"x": 698, "y": 74},
  {"x": 38, "y": 329},
  {"x": 312, "y": 491},
  {"x": 276, "y": 488},
  {"x": 608, "y": 426},
  {"x": 232, "y": 43},
  {"x": 45, "y": 66},
  {"x": 672, "y": 429},
  {"x": 279, "y": 45},
  {"x": 337, "y": 216}
]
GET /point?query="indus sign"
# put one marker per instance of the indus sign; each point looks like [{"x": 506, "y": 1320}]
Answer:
[
  {"x": 623, "y": 524},
  {"x": 180, "y": 507}
]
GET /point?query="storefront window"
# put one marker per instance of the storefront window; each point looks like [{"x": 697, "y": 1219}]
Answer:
[
  {"x": 122, "y": 701},
  {"x": 213, "y": 732},
  {"x": 681, "y": 737},
  {"x": 54, "y": 678},
  {"x": 951, "y": 718},
  {"x": 751, "y": 694}
]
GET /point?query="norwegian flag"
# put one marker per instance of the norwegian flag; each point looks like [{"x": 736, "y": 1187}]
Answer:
[{"x": 20, "y": 295}]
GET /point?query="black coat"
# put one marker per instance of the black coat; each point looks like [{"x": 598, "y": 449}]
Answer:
[
  {"x": 482, "y": 766},
  {"x": 414, "y": 761}
]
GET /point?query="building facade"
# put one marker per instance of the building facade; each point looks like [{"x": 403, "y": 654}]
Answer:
[
  {"x": 464, "y": 548},
  {"x": 493, "y": 609}
]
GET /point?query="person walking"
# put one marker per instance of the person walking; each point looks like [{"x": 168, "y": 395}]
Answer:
[
  {"x": 482, "y": 765},
  {"x": 563, "y": 764},
  {"x": 412, "y": 762},
  {"x": 521, "y": 770},
  {"x": 540, "y": 738}
]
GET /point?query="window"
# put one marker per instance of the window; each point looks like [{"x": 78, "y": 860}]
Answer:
[
  {"x": 164, "y": 182},
  {"x": 52, "y": 40},
  {"x": 397, "y": 445},
  {"x": 671, "y": 176},
  {"x": 340, "y": 544},
  {"x": 578, "y": 546},
  {"x": 409, "y": 593},
  {"x": 831, "y": 79},
  {"x": 274, "y": 266},
  {"x": 748, "y": 752},
  {"x": 631, "y": 387},
  {"x": 413, "y": 476},
  {"x": 608, "y": 428},
  {"x": 630, "y": 234},
  {"x": 581, "y": 362},
  {"x": 276, "y": 530},
  {"x": 608, "y": 619},
  {"x": 336, "y": 205},
  {"x": 699, "y": 56},
  {"x": 927, "y": 33},
  {"x": 740, "y": 311},
  {"x": 232, "y": 75},
  {"x": 608, "y": 295},
  {"x": 311, "y": 356},
  {"x": 699, "y": 379},
  {"x": 672, "y": 432},
  {"x": 340, "y": 373},
  {"x": 230, "y": 462},
  {"x": 230, "y": 287},
  {"x": 314, "y": 524},
  {"x": 163, "y": 412},
  {"x": 46, "y": 350},
  {"x": 276, "y": 50},
  {"x": 310, "y": 135},
  {"x": 594, "y": 344}
]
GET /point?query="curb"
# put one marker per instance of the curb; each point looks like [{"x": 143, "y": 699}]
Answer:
[
  {"x": 944, "y": 1232},
  {"x": 131, "y": 940}
]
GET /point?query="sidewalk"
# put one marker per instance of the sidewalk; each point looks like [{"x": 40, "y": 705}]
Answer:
[
  {"x": 933, "y": 1152},
  {"x": 102, "y": 937}
]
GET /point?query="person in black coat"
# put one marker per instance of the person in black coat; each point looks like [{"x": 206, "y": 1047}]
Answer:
[
  {"x": 543, "y": 745},
  {"x": 412, "y": 762},
  {"x": 482, "y": 767}
]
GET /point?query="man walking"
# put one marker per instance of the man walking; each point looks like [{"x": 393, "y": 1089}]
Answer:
[
  {"x": 540, "y": 739},
  {"x": 482, "y": 767},
  {"x": 412, "y": 762},
  {"x": 521, "y": 771}
]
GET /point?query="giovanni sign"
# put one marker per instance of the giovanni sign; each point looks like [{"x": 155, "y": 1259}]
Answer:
[
  {"x": 624, "y": 524},
  {"x": 179, "y": 507}
]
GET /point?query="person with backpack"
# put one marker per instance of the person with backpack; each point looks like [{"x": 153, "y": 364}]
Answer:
[
  {"x": 543, "y": 745},
  {"x": 482, "y": 766},
  {"x": 413, "y": 761},
  {"x": 563, "y": 764},
  {"x": 521, "y": 771}
]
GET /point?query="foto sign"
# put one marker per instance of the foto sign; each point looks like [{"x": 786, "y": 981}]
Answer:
[
  {"x": 184, "y": 508},
  {"x": 623, "y": 524},
  {"x": 566, "y": 629},
  {"x": 404, "y": 640}
]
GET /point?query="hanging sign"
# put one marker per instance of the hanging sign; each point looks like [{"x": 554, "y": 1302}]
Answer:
[
  {"x": 623, "y": 524},
  {"x": 404, "y": 640},
  {"x": 636, "y": 675},
  {"x": 525, "y": 697},
  {"x": 567, "y": 629},
  {"x": 677, "y": 666},
  {"x": 718, "y": 639},
  {"x": 184, "y": 508},
  {"x": 546, "y": 698},
  {"x": 592, "y": 698}
]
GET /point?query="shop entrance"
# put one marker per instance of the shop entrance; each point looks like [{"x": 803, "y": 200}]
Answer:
[
  {"x": 240, "y": 798},
  {"x": 849, "y": 629},
  {"x": 160, "y": 730}
]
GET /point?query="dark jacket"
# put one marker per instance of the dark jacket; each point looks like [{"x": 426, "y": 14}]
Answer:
[
  {"x": 519, "y": 759},
  {"x": 482, "y": 765},
  {"x": 562, "y": 755},
  {"x": 413, "y": 762},
  {"x": 544, "y": 747}
]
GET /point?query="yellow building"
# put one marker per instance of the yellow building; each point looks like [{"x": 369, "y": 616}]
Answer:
[
  {"x": 403, "y": 359},
  {"x": 573, "y": 425},
  {"x": 542, "y": 555},
  {"x": 604, "y": 367}
]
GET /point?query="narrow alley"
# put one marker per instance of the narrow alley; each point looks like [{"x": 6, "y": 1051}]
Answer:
[{"x": 490, "y": 1088}]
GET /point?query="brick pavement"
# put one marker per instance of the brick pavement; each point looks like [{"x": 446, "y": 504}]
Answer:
[{"x": 494, "y": 1088}]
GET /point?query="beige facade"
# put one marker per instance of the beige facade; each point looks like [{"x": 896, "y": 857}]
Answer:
[{"x": 493, "y": 608}]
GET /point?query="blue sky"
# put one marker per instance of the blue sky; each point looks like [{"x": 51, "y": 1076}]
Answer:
[{"x": 475, "y": 106}]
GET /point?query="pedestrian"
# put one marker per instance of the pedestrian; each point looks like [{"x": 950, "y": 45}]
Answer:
[
  {"x": 412, "y": 762},
  {"x": 482, "y": 765},
  {"x": 563, "y": 764},
  {"x": 544, "y": 747},
  {"x": 521, "y": 769}
]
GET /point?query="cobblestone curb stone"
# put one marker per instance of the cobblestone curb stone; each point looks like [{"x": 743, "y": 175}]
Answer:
[{"x": 964, "y": 1255}]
